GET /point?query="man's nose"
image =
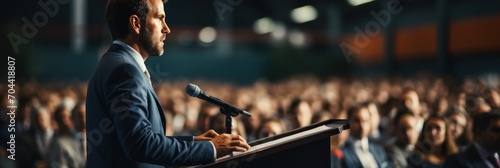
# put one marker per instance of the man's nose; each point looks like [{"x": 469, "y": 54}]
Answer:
[{"x": 165, "y": 29}]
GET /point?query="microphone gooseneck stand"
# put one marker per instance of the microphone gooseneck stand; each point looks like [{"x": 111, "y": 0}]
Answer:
[{"x": 229, "y": 120}]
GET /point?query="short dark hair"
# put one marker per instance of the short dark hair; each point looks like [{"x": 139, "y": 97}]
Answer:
[
  {"x": 354, "y": 109},
  {"x": 118, "y": 13},
  {"x": 482, "y": 121},
  {"x": 401, "y": 113}
]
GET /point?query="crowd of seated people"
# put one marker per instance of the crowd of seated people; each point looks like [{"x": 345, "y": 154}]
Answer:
[{"x": 423, "y": 121}]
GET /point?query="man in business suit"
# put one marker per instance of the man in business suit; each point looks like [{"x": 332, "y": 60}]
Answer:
[
  {"x": 65, "y": 150},
  {"x": 34, "y": 145},
  {"x": 406, "y": 138},
  {"x": 358, "y": 151},
  {"x": 483, "y": 153},
  {"x": 125, "y": 121}
]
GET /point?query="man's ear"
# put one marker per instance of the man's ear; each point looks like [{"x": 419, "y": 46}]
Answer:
[{"x": 134, "y": 24}]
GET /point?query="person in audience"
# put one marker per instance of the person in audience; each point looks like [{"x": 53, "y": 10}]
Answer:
[
  {"x": 376, "y": 134},
  {"x": 358, "y": 151},
  {"x": 441, "y": 106},
  {"x": 207, "y": 111},
  {"x": 251, "y": 124},
  {"x": 486, "y": 147},
  {"x": 406, "y": 138},
  {"x": 299, "y": 115},
  {"x": 435, "y": 143},
  {"x": 79, "y": 121},
  {"x": 322, "y": 116},
  {"x": 34, "y": 145},
  {"x": 459, "y": 126},
  {"x": 270, "y": 127},
  {"x": 493, "y": 98},
  {"x": 411, "y": 102},
  {"x": 65, "y": 150}
]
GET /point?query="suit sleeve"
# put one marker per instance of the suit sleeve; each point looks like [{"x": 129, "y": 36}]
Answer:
[
  {"x": 126, "y": 96},
  {"x": 184, "y": 138}
]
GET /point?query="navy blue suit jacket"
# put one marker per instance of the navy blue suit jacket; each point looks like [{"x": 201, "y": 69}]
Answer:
[
  {"x": 125, "y": 121},
  {"x": 350, "y": 158},
  {"x": 468, "y": 158}
]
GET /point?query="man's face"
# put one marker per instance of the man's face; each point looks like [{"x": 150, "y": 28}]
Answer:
[
  {"x": 155, "y": 30},
  {"x": 360, "y": 123},
  {"x": 412, "y": 101},
  {"x": 407, "y": 130},
  {"x": 491, "y": 136}
]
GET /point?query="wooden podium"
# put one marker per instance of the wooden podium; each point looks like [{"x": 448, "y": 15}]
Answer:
[{"x": 304, "y": 147}]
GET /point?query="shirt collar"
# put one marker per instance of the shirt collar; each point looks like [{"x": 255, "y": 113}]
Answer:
[
  {"x": 137, "y": 57},
  {"x": 361, "y": 143}
]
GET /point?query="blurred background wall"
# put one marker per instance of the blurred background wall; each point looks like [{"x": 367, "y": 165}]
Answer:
[{"x": 242, "y": 41}]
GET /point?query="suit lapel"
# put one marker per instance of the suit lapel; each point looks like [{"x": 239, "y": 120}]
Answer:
[
  {"x": 375, "y": 153},
  {"x": 351, "y": 156},
  {"x": 160, "y": 109}
]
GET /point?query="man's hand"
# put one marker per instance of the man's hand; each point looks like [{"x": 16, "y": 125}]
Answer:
[
  {"x": 207, "y": 136},
  {"x": 227, "y": 143}
]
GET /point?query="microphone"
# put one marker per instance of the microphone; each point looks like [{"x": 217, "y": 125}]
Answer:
[{"x": 195, "y": 91}]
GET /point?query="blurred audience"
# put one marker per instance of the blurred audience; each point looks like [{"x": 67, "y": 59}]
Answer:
[{"x": 392, "y": 114}]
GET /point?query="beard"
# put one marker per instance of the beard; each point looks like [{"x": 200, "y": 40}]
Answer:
[{"x": 152, "y": 48}]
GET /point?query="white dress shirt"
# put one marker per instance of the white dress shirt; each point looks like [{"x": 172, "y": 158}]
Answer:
[{"x": 361, "y": 147}]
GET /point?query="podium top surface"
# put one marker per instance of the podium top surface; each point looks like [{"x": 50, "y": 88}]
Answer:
[
  {"x": 335, "y": 125},
  {"x": 290, "y": 139}
]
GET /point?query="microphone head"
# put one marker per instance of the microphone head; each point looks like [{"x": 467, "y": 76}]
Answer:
[{"x": 193, "y": 90}]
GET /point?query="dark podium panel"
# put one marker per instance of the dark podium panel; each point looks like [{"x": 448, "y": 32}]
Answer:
[{"x": 304, "y": 147}]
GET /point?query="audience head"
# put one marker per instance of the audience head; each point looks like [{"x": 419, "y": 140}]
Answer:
[
  {"x": 436, "y": 136},
  {"x": 62, "y": 116},
  {"x": 79, "y": 117},
  {"x": 411, "y": 101},
  {"x": 300, "y": 113},
  {"x": 406, "y": 128},
  {"x": 457, "y": 119},
  {"x": 493, "y": 98},
  {"x": 322, "y": 116},
  {"x": 374, "y": 116},
  {"x": 486, "y": 130},
  {"x": 270, "y": 127},
  {"x": 207, "y": 111},
  {"x": 252, "y": 123},
  {"x": 41, "y": 119},
  {"x": 359, "y": 120}
]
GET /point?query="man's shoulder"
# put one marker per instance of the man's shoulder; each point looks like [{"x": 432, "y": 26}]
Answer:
[
  {"x": 116, "y": 55},
  {"x": 116, "y": 58}
]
